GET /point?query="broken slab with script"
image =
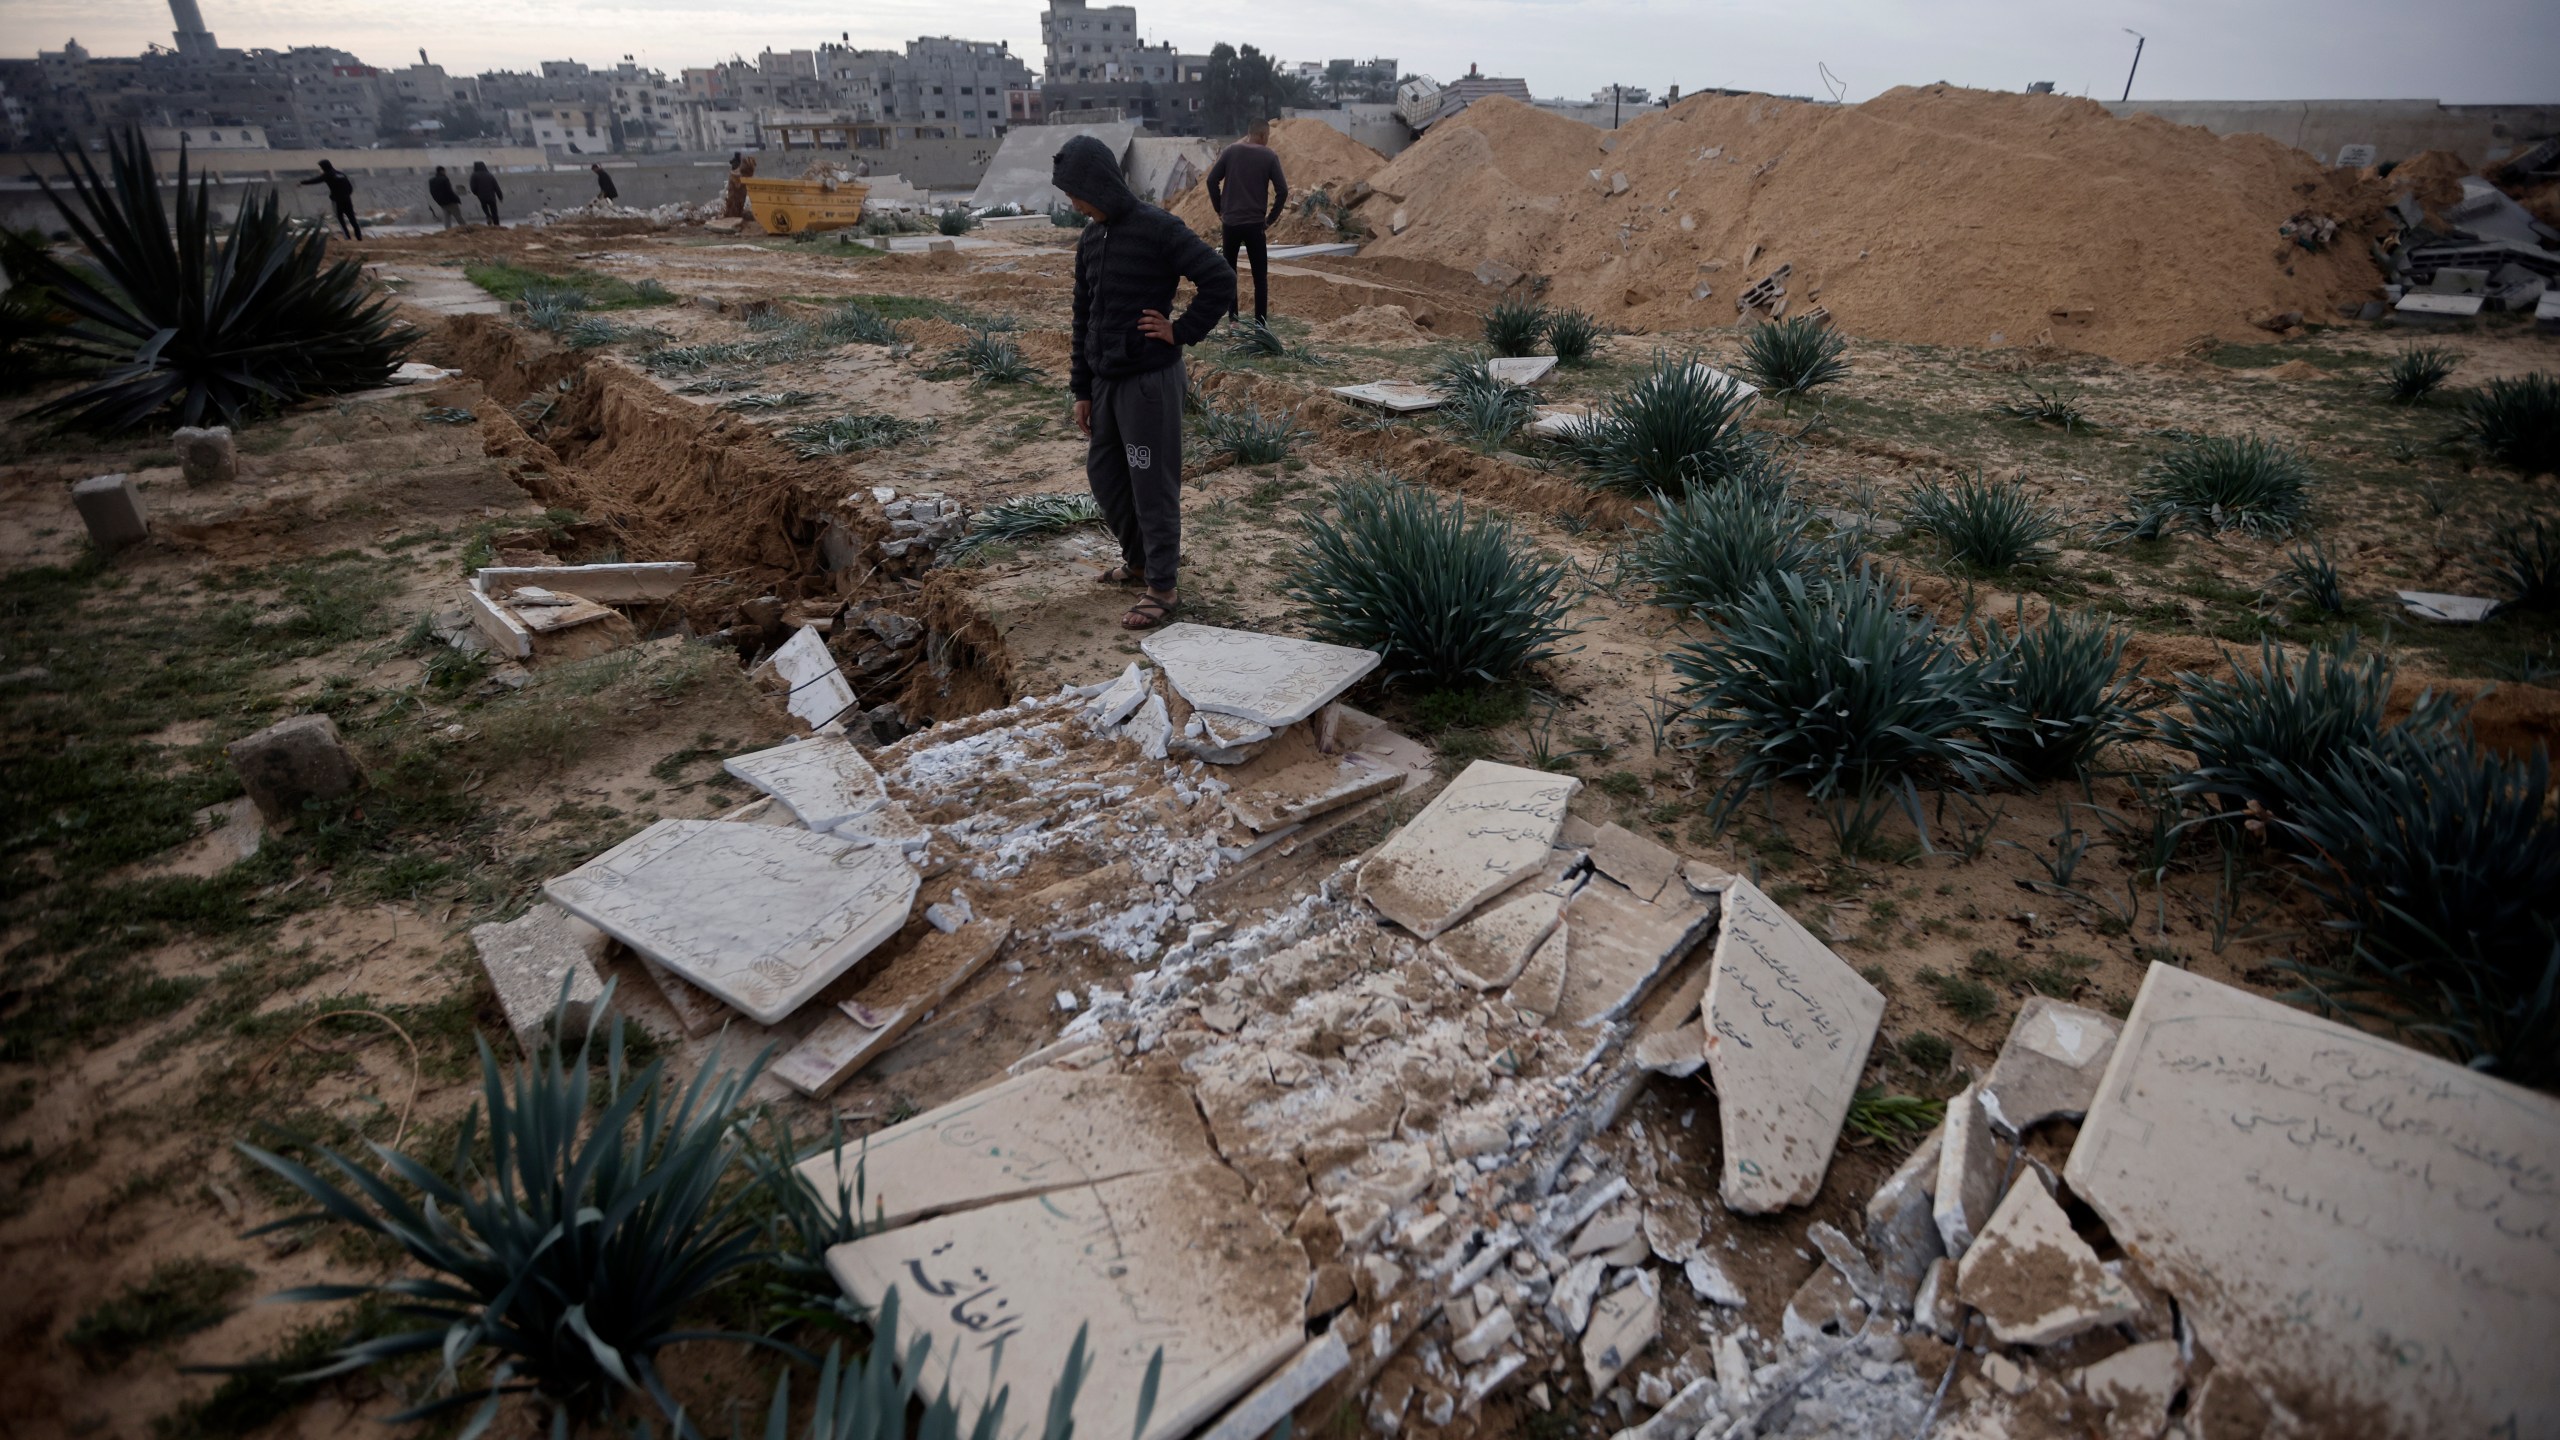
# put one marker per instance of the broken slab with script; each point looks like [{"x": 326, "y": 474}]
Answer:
[
  {"x": 2049, "y": 1066},
  {"x": 1270, "y": 680},
  {"x": 823, "y": 781},
  {"x": 2370, "y": 1236},
  {"x": 814, "y": 687},
  {"x": 2035, "y": 1281},
  {"x": 1617, "y": 947},
  {"x": 1493, "y": 824},
  {"x": 1180, "y": 1262},
  {"x": 1788, "y": 1026},
  {"x": 762, "y": 917}
]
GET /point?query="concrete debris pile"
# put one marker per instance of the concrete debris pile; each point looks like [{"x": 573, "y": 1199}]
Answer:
[
  {"x": 2448, "y": 262},
  {"x": 560, "y": 611}
]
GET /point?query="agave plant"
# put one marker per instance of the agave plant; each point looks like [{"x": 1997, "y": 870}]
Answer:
[
  {"x": 955, "y": 220},
  {"x": 2252, "y": 732},
  {"x": 2058, "y": 405},
  {"x": 858, "y": 323},
  {"x": 2524, "y": 554},
  {"x": 2065, "y": 683},
  {"x": 566, "y": 1265},
  {"x": 1989, "y": 525},
  {"x": 1794, "y": 357},
  {"x": 188, "y": 323},
  {"x": 1022, "y": 517},
  {"x": 1248, "y": 434},
  {"x": 1712, "y": 545},
  {"x": 1677, "y": 423},
  {"x": 2313, "y": 576},
  {"x": 2255, "y": 486},
  {"x": 1481, "y": 404},
  {"x": 1255, "y": 339},
  {"x": 2517, "y": 420},
  {"x": 988, "y": 357},
  {"x": 1448, "y": 598},
  {"x": 1571, "y": 336},
  {"x": 2414, "y": 373},
  {"x": 1512, "y": 327},
  {"x": 848, "y": 433},
  {"x": 1842, "y": 686}
]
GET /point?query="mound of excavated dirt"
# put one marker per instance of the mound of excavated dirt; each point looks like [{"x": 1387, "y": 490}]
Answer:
[
  {"x": 1935, "y": 215},
  {"x": 1314, "y": 156},
  {"x": 1372, "y": 325}
]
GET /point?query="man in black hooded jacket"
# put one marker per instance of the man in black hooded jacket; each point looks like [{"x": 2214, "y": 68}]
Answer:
[{"x": 1127, "y": 367}]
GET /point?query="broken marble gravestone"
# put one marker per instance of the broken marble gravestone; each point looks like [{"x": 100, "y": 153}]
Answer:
[{"x": 1493, "y": 825}]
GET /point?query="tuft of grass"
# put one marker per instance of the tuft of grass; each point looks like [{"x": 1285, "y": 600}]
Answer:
[
  {"x": 857, "y": 323},
  {"x": 178, "y": 1298},
  {"x": 1964, "y": 997},
  {"x": 1021, "y": 518},
  {"x": 1251, "y": 338},
  {"x": 2064, "y": 684},
  {"x": 1675, "y": 424},
  {"x": 1892, "y": 1119},
  {"x": 2517, "y": 420},
  {"x": 1483, "y": 407},
  {"x": 2524, "y": 555},
  {"x": 2259, "y": 487},
  {"x": 1714, "y": 544},
  {"x": 2313, "y": 576},
  {"x": 1987, "y": 525},
  {"x": 1926, "y": 1053},
  {"x": 1248, "y": 434},
  {"x": 849, "y": 433},
  {"x": 955, "y": 220},
  {"x": 2414, "y": 373},
  {"x": 2058, "y": 405},
  {"x": 1514, "y": 327},
  {"x": 1794, "y": 357},
  {"x": 987, "y": 357},
  {"x": 513, "y": 283},
  {"x": 1448, "y": 598},
  {"x": 1571, "y": 336}
]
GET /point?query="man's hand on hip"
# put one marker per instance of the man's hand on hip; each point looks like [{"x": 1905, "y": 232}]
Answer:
[
  {"x": 1084, "y": 416},
  {"x": 1154, "y": 326}
]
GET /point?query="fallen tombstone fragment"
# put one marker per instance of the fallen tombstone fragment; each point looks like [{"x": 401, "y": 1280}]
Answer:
[
  {"x": 1624, "y": 1323},
  {"x": 910, "y": 987},
  {"x": 814, "y": 686},
  {"x": 618, "y": 583},
  {"x": 112, "y": 509},
  {"x": 1968, "y": 1181},
  {"x": 1633, "y": 861},
  {"x": 2034, "y": 1280},
  {"x": 1901, "y": 1228},
  {"x": 292, "y": 763},
  {"x": 2049, "y": 1066},
  {"x": 1491, "y": 826},
  {"x": 2136, "y": 1385},
  {"x": 2450, "y": 609},
  {"x": 1270, "y": 680},
  {"x": 1403, "y": 397},
  {"x": 539, "y": 963},
  {"x": 823, "y": 781},
  {"x": 1260, "y": 1412},
  {"x": 1618, "y": 947},
  {"x": 1520, "y": 369},
  {"x": 1489, "y": 950}
]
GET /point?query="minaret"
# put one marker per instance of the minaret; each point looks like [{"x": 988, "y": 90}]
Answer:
[{"x": 193, "y": 38}]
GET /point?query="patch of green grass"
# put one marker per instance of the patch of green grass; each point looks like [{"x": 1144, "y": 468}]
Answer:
[
  {"x": 1926, "y": 1053},
  {"x": 1892, "y": 1119},
  {"x": 1967, "y": 999},
  {"x": 509, "y": 281},
  {"x": 1624, "y": 784},
  {"x": 258, "y": 1394},
  {"x": 180, "y": 1297},
  {"x": 1487, "y": 707}
]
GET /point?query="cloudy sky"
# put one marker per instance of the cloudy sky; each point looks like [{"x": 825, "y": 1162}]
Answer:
[{"x": 2455, "y": 50}]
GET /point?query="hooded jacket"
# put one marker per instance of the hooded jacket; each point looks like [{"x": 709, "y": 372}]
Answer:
[
  {"x": 440, "y": 189},
  {"x": 1129, "y": 262},
  {"x": 485, "y": 184}
]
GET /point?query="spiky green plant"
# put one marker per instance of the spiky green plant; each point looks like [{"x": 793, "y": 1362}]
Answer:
[
  {"x": 1067, "y": 217},
  {"x": 565, "y": 1266},
  {"x": 1842, "y": 686},
  {"x": 1711, "y": 545},
  {"x": 2313, "y": 576},
  {"x": 2524, "y": 553},
  {"x": 1677, "y": 423},
  {"x": 856, "y": 323},
  {"x": 1987, "y": 525},
  {"x": 1512, "y": 327},
  {"x": 2250, "y": 731},
  {"x": 2259, "y": 487},
  {"x": 1571, "y": 336},
  {"x": 1248, "y": 434},
  {"x": 1482, "y": 406},
  {"x": 846, "y": 434},
  {"x": 1253, "y": 338},
  {"x": 988, "y": 357},
  {"x": 1794, "y": 357},
  {"x": 2064, "y": 682},
  {"x": 551, "y": 309},
  {"x": 1012, "y": 521},
  {"x": 2414, "y": 373},
  {"x": 772, "y": 400},
  {"x": 188, "y": 324},
  {"x": 1448, "y": 598},
  {"x": 955, "y": 220},
  {"x": 2057, "y": 405},
  {"x": 2517, "y": 419}
]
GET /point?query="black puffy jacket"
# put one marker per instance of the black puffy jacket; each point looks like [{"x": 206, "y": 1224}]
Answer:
[{"x": 1129, "y": 262}]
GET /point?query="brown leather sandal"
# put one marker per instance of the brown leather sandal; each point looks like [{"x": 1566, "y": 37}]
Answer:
[
  {"x": 1120, "y": 575},
  {"x": 1151, "y": 611}
]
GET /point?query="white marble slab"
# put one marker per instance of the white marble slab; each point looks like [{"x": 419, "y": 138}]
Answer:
[
  {"x": 1268, "y": 679},
  {"x": 1490, "y": 950},
  {"x": 2368, "y": 1234},
  {"x": 817, "y": 688},
  {"x": 1788, "y": 1026},
  {"x": 1492, "y": 825},
  {"x": 760, "y": 916},
  {"x": 2451, "y": 609},
  {"x": 823, "y": 781},
  {"x": 1404, "y": 397},
  {"x": 2049, "y": 1066},
  {"x": 1520, "y": 369}
]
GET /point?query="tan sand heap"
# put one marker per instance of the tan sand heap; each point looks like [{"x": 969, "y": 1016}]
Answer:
[{"x": 1315, "y": 156}]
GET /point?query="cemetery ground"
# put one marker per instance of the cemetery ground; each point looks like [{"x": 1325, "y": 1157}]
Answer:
[{"x": 175, "y": 978}]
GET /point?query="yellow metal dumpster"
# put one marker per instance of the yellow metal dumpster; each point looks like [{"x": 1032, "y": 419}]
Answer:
[{"x": 793, "y": 207}]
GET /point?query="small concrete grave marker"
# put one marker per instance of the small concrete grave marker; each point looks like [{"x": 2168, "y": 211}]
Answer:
[
  {"x": 2364, "y": 1233},
  {"x": 2451, "y": 609},
  {"x": 1270, "y": 680},
  {"x": 2355, "y": 157},
  {"x": 112, "y": 509},
  {"x": 823, "y": 781},
  {"x": 1491, "y": 826},
  {"x": 760, "y": 916},
  {"x": 620, "y": 583},
  {"x": 1180, "y": 1261},
  {"x": 205, "y": 454},
  {"x": 292, "y": 762},
  {"x": 1788, "y": 1026},
  {"x": 817, "y": 689},
  {"x": 1404, "y": 397},
  {"x": 1520, "y": 369},
  {"x": 529, "y": 957},
  {"x": 2049, "y": 1066}
]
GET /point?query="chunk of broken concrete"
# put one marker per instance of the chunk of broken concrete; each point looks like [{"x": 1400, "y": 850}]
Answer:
[
  {"x": 1491, "y": 826},
  {"x": 1633, "y": 861},
  {"x": 762, "y": 917},
  {"x": 1968, "y": 1182},
  {"x": 2316, "y": 1196},
  {"x": 205, "y": 454},
  {"x": 1823, "y": 1305},
  {"x": 1489, "y": 1334},
  {"x": 1901, "y": 1229},
  {"x": 1490, "y": 950},
  {"x": 1218, "y": 1288},
  {"x": 1935, "y": 1307},
  {"x": 1540, "y": 988},
  {"x": 1304, "y": 791},
  {"x": 1618, "y": 947},
  {"x": 531, "y": 960},
  {"x": 2136, "y": 1386},
  {"x": 814, "y": 686},
  {"x": 823, "y": 781},
  {"x": 919, "y": 980},
  {"x": 293, "y": 763},
  {"x": 2049, "y": 1067},
  {"x": 1623, "y": 1323},
  {"x": 2448, "y": 609},
  {"x": 1788, "y": 1026},
  {"x": 2032, "y": 1277},
  {"x": 1119, "y": 699},
  {"x": 112, "y": 509},
  {"x": 1271, "y": 680},
  {"x": 1709, "y": 1281},
  {"x": 1274, "y": 1400}
]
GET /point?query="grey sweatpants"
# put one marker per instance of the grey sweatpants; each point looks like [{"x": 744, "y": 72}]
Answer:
[{"x": 1134, "y": 464}]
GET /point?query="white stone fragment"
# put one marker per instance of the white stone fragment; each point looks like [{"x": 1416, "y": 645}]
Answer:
[
  {"x": 2034, "y": 1279},
  {"x": 1491, "y": 1333},
  {"x": 1968, "y": 1182},
  {"x": 1490, "y": 949},
  {"x": 2049, "y": 1067},
  {"x": 1119, "y": 700},
  {"x": 529, "y": 958},
  {"x": 817, "y": 690},
  {"x": 1268, "y": 679},
  {"x": 823, "y": 781},
  {"x": 1709, "y": 1282},
  {"x": 1623, "y": 1323},
  {"x": 1260, "y": 1412},
  {"x": 1491, "y": 826}
]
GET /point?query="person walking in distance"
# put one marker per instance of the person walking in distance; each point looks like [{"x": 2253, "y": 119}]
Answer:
[
  {"x": 342, "y": 199},
  {"x": 484, "y": 186},
  {"x": 605, "y": 190},
  {"x": 1126, "y": 366},
  {"x": 1249, "y": 170},
  {"x": 448, "y": 200}
]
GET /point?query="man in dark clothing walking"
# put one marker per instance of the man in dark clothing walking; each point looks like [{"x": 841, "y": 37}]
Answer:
[
  {"x": 484, "y": 186},
  {"x": 448, "y": 200},
  {"x": 605, "y": 190},
  {"x": 1126, "y": 369},
  {"x": 1249, "y": 170},
  {"x": 342, "y": 199}
]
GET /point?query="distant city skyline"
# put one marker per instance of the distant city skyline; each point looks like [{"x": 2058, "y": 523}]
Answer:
[{"x": 2462, "y": 51}]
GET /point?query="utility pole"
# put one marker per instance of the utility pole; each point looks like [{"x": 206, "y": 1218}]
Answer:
[
  {"x": 1617, "y": 103},
  {"x": 2137, "y": 64}
]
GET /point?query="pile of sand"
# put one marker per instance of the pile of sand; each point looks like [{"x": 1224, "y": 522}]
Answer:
[
  {"x": 1314, "y": 156},
  {"x": 1934, "y": 215},
  {"x": 1372, "y": 325}
]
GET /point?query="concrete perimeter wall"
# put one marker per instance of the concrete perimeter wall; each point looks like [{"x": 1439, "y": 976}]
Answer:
[{"x": 2397, "y": 129}]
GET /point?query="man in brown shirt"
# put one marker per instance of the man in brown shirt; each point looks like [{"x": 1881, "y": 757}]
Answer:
[{"x": 1248, "y": 171}]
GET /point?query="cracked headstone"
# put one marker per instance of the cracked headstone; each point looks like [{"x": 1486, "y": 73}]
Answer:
[
  {"x": 823, "y": 781},
  {"x": 1491, "y": 826},
  {"x": 1633, "y": 861},
  {"x": 205, "y": 454},
  {"x": 1788, "y": 1027},
  {"x": 814, "y": 686},
  {"x": 762, "y": 917},
  {"x": 1540, "y": 988},
  {"x": 1618, "y": 947},
  {"x": 1624, "y": 1323},
  {"x": 1489, "y": 950},
  {"x": 2032, "y": 1277},
  {"x": 2136, "y": 1386},
  {"x": 2049, "y": 1066},
  {"x": 1271, "y": 680},
  {"x": 292, "y": 763}
]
